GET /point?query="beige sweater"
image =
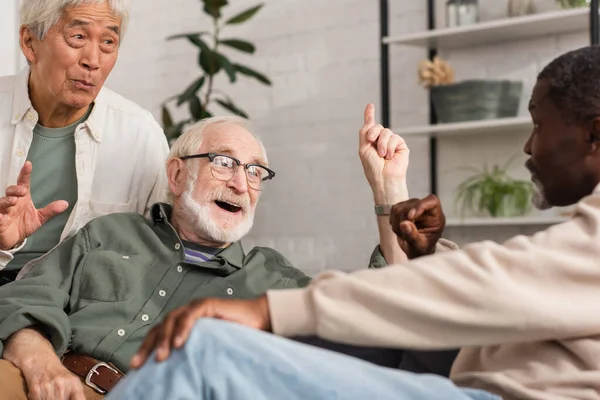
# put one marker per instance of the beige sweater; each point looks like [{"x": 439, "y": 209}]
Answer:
[{"x": 526, "y": 314}]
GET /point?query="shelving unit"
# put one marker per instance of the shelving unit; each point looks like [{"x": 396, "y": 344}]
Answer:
[
  {"x": 497, "y": 31},
  {"x": 484, "y": 127},
  {"x": 471, "y": 222}
]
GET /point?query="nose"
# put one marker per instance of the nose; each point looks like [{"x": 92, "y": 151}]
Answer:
[
  {"x": 90, "y": 59},
  {"x": 527, "y": 148},
  {"x": 238, "y": 182}
]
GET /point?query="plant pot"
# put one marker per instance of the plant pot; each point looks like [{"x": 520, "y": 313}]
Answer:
[
  {"x": 476, "y": 100},
  {"x": 519, "y": 7}
]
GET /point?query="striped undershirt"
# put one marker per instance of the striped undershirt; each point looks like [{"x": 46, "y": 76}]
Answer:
[{"x": 198, "y": 254}]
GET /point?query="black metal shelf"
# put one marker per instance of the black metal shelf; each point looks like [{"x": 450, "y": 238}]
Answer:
[{"x": 594, "y": 32}]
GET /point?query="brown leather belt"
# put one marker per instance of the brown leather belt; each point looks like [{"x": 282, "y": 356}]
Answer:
[{"x": 98, "y": 375}]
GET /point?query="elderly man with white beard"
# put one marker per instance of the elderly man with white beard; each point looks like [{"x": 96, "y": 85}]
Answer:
[{"x": 94, "y": 298}]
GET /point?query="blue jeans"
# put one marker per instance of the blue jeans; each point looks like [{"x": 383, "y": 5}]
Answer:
[{"x": 222, "y": 360}]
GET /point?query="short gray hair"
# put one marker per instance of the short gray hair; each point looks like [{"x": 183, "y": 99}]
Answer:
[
  {"x": 41, "y": 15},
  {"x": 189, "y": 143}
]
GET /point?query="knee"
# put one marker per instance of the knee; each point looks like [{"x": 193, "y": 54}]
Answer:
[{"x": 210, "y": 332}]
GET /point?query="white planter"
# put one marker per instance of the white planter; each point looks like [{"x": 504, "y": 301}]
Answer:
[
  {"x": 540, "y": 6},
  {"x": 519, "y": 7},
  {"x": 493, "y": 9}
]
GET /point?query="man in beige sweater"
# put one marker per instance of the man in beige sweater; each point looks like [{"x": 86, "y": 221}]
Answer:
[{"x": 525, "y": 313}]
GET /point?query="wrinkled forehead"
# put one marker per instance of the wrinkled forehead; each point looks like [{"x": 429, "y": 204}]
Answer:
[
  {"x": 86, "y": 14},
  {"x": 235, "y": 141}
]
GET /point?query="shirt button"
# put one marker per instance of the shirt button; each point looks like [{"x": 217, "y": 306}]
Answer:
[
  {"x": 20, "y": 153},
  {"x": 179, "y": 268},
  {"x": 145, "y": 317},
  {"x": 125, "y": 257},
  {"x": 162, "y": 293},
  {"x": 229, "y": 291},
  {"x": 17, "y": 116},
  {"x": 121, "y": 332},
  {"x": 177, "y": 246},
  {"x": 30, "y": 116}
]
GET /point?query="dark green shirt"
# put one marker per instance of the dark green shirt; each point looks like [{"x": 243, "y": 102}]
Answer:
[{"x": 101, "y": 291}]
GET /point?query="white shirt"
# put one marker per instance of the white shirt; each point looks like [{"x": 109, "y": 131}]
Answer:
[{"x": 120, "y": 154}]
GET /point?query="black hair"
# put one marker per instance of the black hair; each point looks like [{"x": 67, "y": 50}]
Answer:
[{"x": 574, "y": 80}]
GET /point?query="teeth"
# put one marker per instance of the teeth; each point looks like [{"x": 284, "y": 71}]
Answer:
[{"x": 231, "y": 204}]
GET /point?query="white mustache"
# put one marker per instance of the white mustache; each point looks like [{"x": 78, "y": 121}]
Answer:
[{"x": 225, "y": 195}]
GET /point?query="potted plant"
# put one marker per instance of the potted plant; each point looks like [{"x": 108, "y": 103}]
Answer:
[
  {"x": 493, "y": 192},
  {"x": 201, "y": 95},
  {"x": 468, "y": 100},
  {"x": 573, "y": 3}
]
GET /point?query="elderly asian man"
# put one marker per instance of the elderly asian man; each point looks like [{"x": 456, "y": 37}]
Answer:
[
  {"x": 70, "y": 149},
  {"x": 99, "y": 293}
]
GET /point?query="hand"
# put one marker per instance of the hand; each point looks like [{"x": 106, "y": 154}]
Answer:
[
  {"x": 419, "y": 224},
  {"x": 384, "y": 157},
  {"x": 175, "y": 329},
  {"x": 51, "y": 380},
  {"x": 18, "y": 216}
]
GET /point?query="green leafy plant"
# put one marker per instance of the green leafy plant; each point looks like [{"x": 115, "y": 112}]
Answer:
[
  {"x": 201, "y": 94},
  {"x": 492, "y": 192},
  {"x": 573, "y": 3}
]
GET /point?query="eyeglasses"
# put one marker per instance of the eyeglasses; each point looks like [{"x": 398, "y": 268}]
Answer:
[{"x": 224, "y": 168}]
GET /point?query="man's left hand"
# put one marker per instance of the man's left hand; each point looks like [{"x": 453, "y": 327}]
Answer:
[{"x": 175, "y": 329}]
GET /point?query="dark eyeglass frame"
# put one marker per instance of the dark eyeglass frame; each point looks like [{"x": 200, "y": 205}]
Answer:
[{"x": 238, "y": 163}]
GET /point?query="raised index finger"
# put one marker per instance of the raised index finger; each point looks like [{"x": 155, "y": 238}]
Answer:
[
  {"x": 370, "y": 115},
  {"x": 24, "y": 178}
]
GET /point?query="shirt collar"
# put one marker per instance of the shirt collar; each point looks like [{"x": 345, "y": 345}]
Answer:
[
  {"x": 22, "y": 104},
  {"x": 234, "y": 254}
]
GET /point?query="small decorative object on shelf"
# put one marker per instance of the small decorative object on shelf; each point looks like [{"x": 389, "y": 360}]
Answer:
[
  {"x": 436, "y": 72},
  {"x": 573, "y": 3},
  {"x": 519, "y": 7},
  {"x": 469, "y": 100},
  {"x": 493, "y": 193},
  {"x": 461, "y": 12}
]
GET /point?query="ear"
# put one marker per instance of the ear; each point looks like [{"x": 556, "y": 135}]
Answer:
[
  {"x": 177, "y": 176},
  {"x": 27, "y": 42},
  {"x": 594, "y": 137}
]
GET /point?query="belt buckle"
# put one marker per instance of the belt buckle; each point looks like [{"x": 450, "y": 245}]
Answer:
[{"x": 94, "y": 370}]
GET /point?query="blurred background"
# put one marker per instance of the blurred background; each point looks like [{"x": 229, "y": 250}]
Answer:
[{"x": 325, "y": 60}]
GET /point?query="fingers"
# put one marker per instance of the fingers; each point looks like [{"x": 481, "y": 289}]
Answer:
[
  {"x": 396, "y": 144},
  {"x": 369, "y": 115},
  {"x": 410, "y": 233},
  {"x": 185, "y": 324},
  {"x": 369, "y": 121},
  {"x": 171, "y": 333},
  {"x": 52, "y": 210},
  {"x": 164, "y": 339},
  {"x": 146, "y": 348},
  {"x": 382, "y": 141},
  {"x": 17, "y": 191},
  {"x": 427, "y": 204},
  {"x": 24, "y": 178},
  {"x": 6, "y": 203}
]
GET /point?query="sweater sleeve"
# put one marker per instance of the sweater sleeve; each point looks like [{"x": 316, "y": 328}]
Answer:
[
  {"x": 41, "y": 296},
  {"x": 529, "y": 289}
]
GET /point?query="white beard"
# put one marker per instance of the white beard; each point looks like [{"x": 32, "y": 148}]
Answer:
[
  {"x": 539, "y": 198},
  {"x": 199, "y": 218}
]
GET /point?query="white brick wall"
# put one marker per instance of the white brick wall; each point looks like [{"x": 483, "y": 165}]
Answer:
[
  {"x": 9, "y": 37},
  {"x": 323, "y": 58}
]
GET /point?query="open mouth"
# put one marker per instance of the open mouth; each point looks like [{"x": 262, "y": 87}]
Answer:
[{"x": 232, "y": 208}]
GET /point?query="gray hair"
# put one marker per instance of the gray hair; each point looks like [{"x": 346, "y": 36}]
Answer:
[
  {"x": 189, "y": 143},
  {"x": 41, "y": 15}
]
